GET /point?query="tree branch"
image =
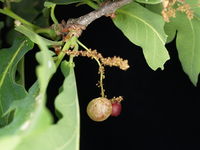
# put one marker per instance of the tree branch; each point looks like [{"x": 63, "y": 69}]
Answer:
[{"x": 106, "y": 9}]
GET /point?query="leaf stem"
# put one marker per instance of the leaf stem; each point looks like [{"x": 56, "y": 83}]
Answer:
[
  {"x": 48, "y": 31},
  {"x": 11, "y": 14},
  {"x": 100, "y": 66},
  {"x": 65, "y": 47},
  {"x": 75, "y": 49},
  {"x": 53, "y": 14}
]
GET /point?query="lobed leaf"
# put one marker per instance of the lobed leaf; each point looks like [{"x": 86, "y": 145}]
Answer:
[
  {"x": 9, "y": 90},
  {"x": 144, "y": 28},
  {"x": 31, "y": 116},
  {"x": 188, "y": 45},
  {"x": 47, "y": 66},
  {"x": 169, "y": 28},
  {"x": 31, "y": 121},
  {"x": 65, "y": 134}
]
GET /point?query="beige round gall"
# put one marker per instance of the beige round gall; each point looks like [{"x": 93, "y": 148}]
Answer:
[{"x": 99, "y": 109}]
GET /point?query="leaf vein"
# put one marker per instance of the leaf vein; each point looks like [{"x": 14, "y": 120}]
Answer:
[
  {"x": 7, "y": 69},
  {"x": 147, "y": 24},
  {"x": 193, "y": 46}
]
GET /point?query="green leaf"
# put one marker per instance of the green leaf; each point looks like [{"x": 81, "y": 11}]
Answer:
[
  {"x": 195, "y": 6},
  {"x": 27, "y": 113},
  {"x": 149, "y": 1},
  {"x": 188, "y": 45},
  {"x": 9, "y": 90},
  {"x": 31, "y": 116},
  {"x": 34, "y": 36},
  {"x": 47, "y": 67},
  {"x": 11, "y": 0},
  {"x": 157, "y": 8},
  {"x": 43, "y": 19},
  {"x": 170, "y": 31},
  {"x": 16, "y": 1},
  {"x": 64, "y": 2},
  {"x": 32, "y": 12},
  {"x": 144, "y": 28},
  {"x": 12, "y": 35},
  {"x": 65, "y": 134},
  {"x": 5, "y": 142},
  {"x": 28, "y": 9},
  {"x": 49, "y": 4},
  {"x": 1, "y": 26}
]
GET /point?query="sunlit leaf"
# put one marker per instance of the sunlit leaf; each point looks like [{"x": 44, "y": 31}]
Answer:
[
  {"x": 144, "y": 28},
  {"x": 9, "y": 90}
]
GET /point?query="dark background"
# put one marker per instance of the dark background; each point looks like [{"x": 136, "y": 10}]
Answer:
[{"x": 161, "y": 108}]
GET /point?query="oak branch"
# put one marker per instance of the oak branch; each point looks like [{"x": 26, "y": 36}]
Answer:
[{"x": 105, "y": 10}]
